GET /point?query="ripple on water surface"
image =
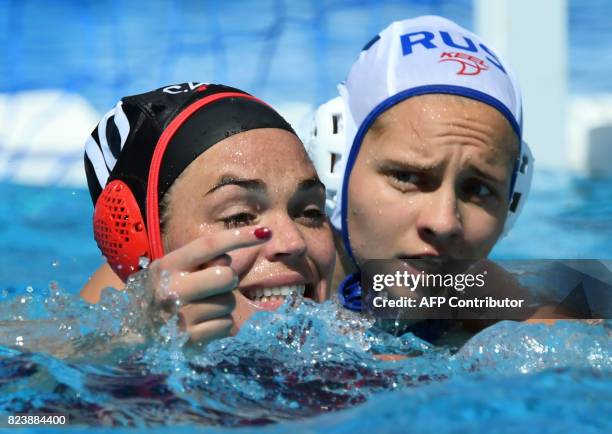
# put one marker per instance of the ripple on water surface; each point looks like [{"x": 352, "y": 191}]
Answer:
[{"x": 108, "y": 365}]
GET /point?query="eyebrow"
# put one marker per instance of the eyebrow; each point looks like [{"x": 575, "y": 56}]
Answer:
[
  {"x": 311, "y": 183},
  {"x": 255, "y": 185},
  {"x": 424, "y": 167},
  {"x": 258, "y": 186},
  {"x": 486, "y": 175}
]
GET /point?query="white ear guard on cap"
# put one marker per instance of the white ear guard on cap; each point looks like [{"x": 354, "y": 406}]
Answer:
[
  {"x": 327, "y": 146},
  {"x": 523, "y": 173}
]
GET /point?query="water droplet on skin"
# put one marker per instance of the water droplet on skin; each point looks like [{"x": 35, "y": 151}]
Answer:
[
  {"x": 205, "y": 228},
  {"x": 143, "y": 262}
]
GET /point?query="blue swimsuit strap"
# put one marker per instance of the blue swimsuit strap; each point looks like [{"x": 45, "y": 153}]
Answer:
[{"x": 349, "y": 292}]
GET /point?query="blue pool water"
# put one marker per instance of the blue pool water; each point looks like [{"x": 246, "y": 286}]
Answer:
[
  {"x": 303, "y": 367},
  {"x": 105, "y": 50}
]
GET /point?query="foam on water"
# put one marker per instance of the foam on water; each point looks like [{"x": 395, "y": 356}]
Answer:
[{"x": 120, "y": 363}]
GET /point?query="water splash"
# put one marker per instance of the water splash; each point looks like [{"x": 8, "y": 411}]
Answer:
[{"x": 122, "y": 363}]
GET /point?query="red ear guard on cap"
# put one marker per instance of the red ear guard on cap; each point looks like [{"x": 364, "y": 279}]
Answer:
[{"x": 119, "y": 229}]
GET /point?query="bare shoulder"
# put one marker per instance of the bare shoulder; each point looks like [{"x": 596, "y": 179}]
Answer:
[{"x": 103, "y": 277}]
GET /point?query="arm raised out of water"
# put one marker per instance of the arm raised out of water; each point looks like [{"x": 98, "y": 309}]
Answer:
[
  {"x": 199, "y": 276},
  {"x": 104, "y": 277}
]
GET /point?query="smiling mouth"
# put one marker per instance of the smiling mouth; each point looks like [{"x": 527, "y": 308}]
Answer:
[
  {"x": 272, "y": 298},
  {"x": 275, "y": 293}
]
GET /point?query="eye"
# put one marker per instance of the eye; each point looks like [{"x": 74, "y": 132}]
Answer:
[
  {"x": 477, "y": 189},
  {"x": 312, "y": 217},
  {"x": 404, "y": 180},
  {"x": 238, "y": 220},
  {"x": 404, "y": 176}
]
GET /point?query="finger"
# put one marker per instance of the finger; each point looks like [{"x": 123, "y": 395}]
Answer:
[
  {"x": 213, "y": 307},
  {"x": 224, "y": 260},
  {"x": 210, "y": 330},
  {"x": 205, "y": 248},
  {"x": 200, "y": 285}
]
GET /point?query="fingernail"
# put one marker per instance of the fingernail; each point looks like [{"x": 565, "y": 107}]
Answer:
[{"x": 262, "y": 233}]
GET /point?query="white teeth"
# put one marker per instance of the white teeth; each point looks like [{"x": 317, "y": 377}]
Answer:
[{"x": 277, "y": 292}]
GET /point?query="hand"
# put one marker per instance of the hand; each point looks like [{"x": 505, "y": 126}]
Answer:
[{"x": 199, "y": 276}]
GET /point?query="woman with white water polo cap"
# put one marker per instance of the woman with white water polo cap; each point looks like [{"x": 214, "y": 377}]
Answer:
[{"x": 422, "y": 152}]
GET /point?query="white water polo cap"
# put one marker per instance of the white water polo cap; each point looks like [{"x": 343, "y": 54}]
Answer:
[{"x": 424, "y": 55}]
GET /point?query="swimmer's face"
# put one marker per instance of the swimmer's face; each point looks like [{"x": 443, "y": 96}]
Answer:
[
  {"x": 261, "y": 177},
  {"x": 432, "y": 178}
]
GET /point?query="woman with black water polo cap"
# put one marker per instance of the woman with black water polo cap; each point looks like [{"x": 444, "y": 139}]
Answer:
[{"x": 213, "y": 186}]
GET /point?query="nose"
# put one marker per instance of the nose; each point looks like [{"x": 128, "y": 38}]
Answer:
[
  {"x": 440, "y": 220},
  {"x": 287, "y": 240}
]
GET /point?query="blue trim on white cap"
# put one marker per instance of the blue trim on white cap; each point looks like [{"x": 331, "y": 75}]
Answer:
[
  {"x": 397, "y": 98},
  {"x": 370, "y": 43}
]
